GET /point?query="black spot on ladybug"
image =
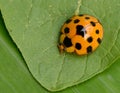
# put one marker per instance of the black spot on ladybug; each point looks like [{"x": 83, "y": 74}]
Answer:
[
  {"x": 66, "y": 30},
  {"x": 87, "y": 17},
  {"x": 76, "y": 20},
  {"x": 78, "y": 46},
  {"x": 89, "y": 49},
  {"x": 81, "y": 15},
  {"x": 79, "y": 30},
  {"x": 99, "y": 40},
  {"x": 97, "y": 31},
  {"x": 89, "y": 39},
  {"x": 67, "y": 42},
  {"x": 68, "y": 21},
  {"x": 93, "y": 23}
]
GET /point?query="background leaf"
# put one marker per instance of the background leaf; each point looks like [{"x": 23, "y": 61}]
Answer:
[{"x": 36, "y": 36}]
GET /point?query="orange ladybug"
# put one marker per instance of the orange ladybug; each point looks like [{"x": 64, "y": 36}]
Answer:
[{"x": 81, "y": 34}]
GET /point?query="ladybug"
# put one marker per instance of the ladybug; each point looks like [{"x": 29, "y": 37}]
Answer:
[{"x": 81, "y": 34}]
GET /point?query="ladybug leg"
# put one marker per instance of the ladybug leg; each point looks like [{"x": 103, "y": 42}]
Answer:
[{"x": 61, "y": 48}]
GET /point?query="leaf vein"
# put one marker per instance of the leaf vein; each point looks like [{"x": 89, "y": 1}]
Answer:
[
  {"x": 57, "y": 80},
  {"x": 28, "y": 19}
]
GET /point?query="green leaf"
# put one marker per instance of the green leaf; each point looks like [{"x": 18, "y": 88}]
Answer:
[
  {"x": 34, "y": 26},
  {"x": 15, "y": 77}
]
